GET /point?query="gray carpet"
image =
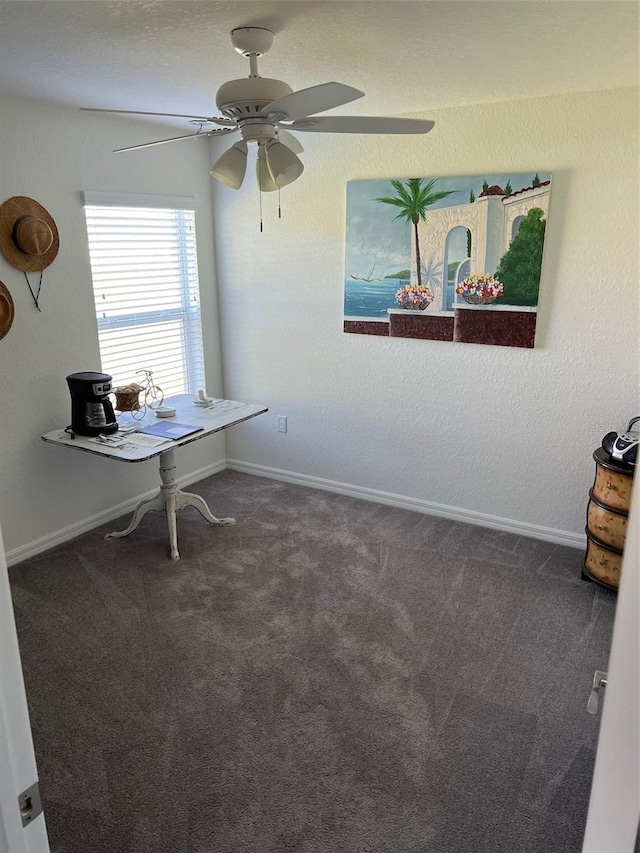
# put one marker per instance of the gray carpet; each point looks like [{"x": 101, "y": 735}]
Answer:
[{"x": 328, "y": 675}]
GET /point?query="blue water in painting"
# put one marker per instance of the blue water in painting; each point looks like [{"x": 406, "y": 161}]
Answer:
[{"x": 370, "y": 299}]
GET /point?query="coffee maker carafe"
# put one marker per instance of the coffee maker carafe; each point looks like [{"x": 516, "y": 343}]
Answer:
[{"x": 91, "y": 409}]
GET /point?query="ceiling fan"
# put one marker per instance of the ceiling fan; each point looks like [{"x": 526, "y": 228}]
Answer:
[{"x": 264, "y": 111}]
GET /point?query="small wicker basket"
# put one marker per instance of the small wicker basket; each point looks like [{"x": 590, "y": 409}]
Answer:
[{"x": 127, "y": 398}]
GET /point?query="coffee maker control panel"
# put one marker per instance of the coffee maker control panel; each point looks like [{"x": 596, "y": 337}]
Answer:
[{"x": 100, "y": 389}]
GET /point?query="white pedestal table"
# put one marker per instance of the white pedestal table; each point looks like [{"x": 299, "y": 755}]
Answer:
[{"x": 219, "y": 415}]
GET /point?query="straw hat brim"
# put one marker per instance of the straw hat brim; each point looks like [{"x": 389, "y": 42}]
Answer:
[
  {"x": 7, "y": 310},
  {"x": 12, "y": 209}
]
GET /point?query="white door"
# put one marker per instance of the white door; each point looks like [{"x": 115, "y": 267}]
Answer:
[
  {"x": 614, "y": 808},
  {"x": 17, "y": 761}
]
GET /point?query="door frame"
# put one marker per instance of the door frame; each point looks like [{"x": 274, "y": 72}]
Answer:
[
  {"x": 17, "y": 758},
  {"x": 614, "y": 806}
]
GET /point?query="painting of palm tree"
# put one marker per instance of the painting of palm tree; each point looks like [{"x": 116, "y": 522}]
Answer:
[
  {"x": 429, "y": 281},
  {"x": 412, "y": 199}
]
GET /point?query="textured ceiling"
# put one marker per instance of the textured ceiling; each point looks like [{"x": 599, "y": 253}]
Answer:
[{"x": 172, "y": 55}]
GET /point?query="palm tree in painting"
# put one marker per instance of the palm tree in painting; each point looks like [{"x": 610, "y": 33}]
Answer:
[{"x": 413, "y": 199}]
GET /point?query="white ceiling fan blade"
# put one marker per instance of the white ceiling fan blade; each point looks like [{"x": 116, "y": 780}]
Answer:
[
  {"x": 315, "y": 99},
  {"x": 225, "y": 122},
  {"x": 218, "y": 132},
  {"x": 290, "y": 141},
  {"x": 362, "y": 124}
]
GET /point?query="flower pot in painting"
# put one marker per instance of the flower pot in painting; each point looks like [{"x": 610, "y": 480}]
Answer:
[
  {"x": 477, "y": 299},
  {"x": 480, "y": 289},
  {"x": 414, "y": 297}
]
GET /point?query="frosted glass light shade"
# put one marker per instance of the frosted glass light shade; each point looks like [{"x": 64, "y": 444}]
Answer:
[
  {"x": 231, "y": 166},
  {"x": 284, "y": 166},
  {"x": 266, "y": 184}
]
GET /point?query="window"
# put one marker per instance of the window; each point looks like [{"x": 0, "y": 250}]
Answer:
[{"x": 145, "y": 284}]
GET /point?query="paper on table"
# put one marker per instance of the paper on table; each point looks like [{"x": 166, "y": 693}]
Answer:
[
  {"x": 170, "y": 429},
  {"x": 146, "y": 440},
  {"x": 128, "y": 428}
]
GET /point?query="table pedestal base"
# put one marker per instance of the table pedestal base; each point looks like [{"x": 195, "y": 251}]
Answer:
[{"x": 171, "y": 499}]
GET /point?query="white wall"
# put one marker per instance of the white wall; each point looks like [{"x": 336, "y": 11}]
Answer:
[
  {"x": 51, "y": 154},
  {"x": 504, "y": 433},
  {"x": 498, "y": 431}
]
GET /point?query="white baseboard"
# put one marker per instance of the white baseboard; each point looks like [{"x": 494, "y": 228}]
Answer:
[
  {"x": 520, "y": 528},
  {"x": 23, "y": 552}
]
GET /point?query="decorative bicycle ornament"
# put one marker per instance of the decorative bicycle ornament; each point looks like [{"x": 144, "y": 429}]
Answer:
[{"x": 128, "y": 396}]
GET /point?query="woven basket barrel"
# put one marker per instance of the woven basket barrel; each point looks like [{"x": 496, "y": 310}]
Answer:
[
  {"x": 612, "y": 486},
  {"x": 607, "y": 514},
  {"x": 607, "y": 524},
  {"x": 603, "y": 562}
]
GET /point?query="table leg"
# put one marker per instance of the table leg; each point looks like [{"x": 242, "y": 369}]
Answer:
[
  {"x": 171, "y": 499},
  {"x": 189, "y": 499},
  {"x": 169, "y": 489},
  {"x": 153, "y": 504}
]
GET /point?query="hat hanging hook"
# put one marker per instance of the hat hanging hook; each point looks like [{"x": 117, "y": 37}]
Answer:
[{"x": 36, "y": 296}]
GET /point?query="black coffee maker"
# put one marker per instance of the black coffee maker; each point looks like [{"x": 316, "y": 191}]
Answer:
[{"x": 91, "y": 409}]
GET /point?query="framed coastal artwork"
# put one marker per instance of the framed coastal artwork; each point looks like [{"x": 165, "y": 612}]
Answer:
[{"x": 447, "y": 259}]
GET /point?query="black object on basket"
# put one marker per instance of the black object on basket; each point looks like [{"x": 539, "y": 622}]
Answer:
[{"x": 623, "y": 446}]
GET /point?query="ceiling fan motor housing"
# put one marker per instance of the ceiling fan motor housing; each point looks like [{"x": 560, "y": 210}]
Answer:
[
  {"x": 251, "y": 40},
  {"x": 247, "y": 97}
]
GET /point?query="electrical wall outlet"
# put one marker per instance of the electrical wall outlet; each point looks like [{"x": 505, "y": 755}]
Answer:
[{"x": 282, "y": 423}]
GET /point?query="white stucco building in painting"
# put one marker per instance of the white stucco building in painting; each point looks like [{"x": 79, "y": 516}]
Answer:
[{"x": 492, "y": 219}]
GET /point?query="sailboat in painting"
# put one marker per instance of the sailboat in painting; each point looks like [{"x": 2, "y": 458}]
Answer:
[{"x": 368, "y": 278}]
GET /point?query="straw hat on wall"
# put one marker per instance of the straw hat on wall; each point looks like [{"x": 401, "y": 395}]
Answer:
[
  {"x": 7, "y": 310},
  {"x": 29, "y": 237}
]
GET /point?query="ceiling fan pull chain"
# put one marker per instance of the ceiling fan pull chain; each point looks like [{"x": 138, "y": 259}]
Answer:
[
  {"x": 279, "y": 209},
  {"x": 260, "y": 196},
  {"x": 35, "y": 296}
]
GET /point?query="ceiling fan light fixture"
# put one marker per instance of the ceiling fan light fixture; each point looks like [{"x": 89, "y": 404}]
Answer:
[
  {"x": 266, "y": 184},
  {"x": 284, "y": 166},
  {"x": 231, "y": 166}
]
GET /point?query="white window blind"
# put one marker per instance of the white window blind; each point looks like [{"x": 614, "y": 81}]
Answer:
[{"x": 145, "y": 284}]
